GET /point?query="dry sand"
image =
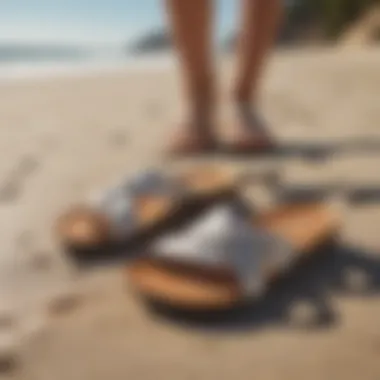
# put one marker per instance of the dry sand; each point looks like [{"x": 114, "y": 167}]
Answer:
[{"x": 60, "y": 138}]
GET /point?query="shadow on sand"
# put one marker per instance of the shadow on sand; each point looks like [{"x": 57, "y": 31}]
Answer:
[
  {"x": 314, "y": 151},
  {"x": 324, "y": 151},
  {"x": 337, "y": 270},
  {"x": 355, "y": 195}
]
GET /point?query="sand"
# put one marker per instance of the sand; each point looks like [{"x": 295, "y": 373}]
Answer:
[{"x": 60, "y": 138}]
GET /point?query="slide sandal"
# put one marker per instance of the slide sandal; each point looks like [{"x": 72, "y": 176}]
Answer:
[
  {"x": 139, "y": 205},
  {"x": 200, "y": 283}
]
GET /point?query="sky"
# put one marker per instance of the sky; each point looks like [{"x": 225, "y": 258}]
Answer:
[{"x": 89, "y": 21}]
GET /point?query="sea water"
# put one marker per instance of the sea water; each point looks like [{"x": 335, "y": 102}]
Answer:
[{"x": 44, "y": 64}]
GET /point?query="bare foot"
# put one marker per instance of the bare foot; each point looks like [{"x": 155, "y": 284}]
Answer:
[
  {"x": 250, "y": 134},
  {"x": 192, "y": 140}
]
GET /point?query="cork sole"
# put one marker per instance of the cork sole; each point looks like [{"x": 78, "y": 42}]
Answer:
[
  {"x": 305, "y": 227},
  {"x": 85, "y": 229}
]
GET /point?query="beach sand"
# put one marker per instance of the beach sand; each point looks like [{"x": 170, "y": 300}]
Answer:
[{"x": 61, "y": 138}]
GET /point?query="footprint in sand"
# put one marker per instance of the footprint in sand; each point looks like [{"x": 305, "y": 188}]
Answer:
[
  {"x": 7, "y": 361},
  {"x": 8, "y": 341},
  {"x": 40, "y": 260},
  {"x": 64, "y": 301},
  {"x": 11, "y": 189},
  {"x": 27, "y": 166}
]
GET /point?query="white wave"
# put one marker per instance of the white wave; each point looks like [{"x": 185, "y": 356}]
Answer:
[{"x": 96, "y": 64}]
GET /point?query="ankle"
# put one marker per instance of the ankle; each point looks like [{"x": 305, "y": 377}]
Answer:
[
  {"x": 243, "y": 96},
  {"x": 200, "y": 126},
  {"x": 246, "y": 91},
  {"x": 201, "y": 114}
]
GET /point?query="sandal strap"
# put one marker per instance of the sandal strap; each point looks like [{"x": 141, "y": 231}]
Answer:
[
  {"x": 118, "y": 202},
  {"x": 221, "y": 239}
]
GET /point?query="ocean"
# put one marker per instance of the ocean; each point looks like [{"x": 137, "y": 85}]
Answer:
[{"x": 29, "y": 62}]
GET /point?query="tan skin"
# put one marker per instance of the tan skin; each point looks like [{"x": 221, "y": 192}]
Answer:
[{"x": 191, "y": 22}]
